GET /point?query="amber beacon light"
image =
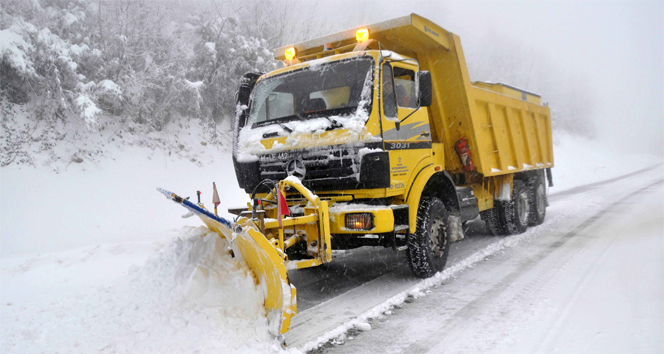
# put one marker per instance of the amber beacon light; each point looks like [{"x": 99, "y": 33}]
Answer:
[
  {"x": 362, "y": 35},
  {"x": 290, "y": 53}
]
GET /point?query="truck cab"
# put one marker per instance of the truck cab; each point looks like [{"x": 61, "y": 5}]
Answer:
[
  {"x": 336, "y": 123},
  {"x": 383, "y": 122},
  {"x": 339, "y": 117}
]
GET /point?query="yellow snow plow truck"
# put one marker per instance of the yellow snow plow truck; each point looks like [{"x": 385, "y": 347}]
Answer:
[{"x": 376, "y": 137}]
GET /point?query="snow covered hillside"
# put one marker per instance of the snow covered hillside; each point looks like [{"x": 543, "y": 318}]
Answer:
[{"x": 94, "y": 258}]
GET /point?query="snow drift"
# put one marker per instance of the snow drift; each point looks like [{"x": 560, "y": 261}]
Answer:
[{"x": 191, "y": 296}]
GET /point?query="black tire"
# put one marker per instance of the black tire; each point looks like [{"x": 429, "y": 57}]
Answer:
[
  {"x": 492, "y": 221},
  {"x": 428, "y": 247},
  {"x": 514, "y": 214},
  {"x": 537, "y": 199}
]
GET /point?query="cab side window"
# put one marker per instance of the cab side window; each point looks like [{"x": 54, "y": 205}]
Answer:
[
  {"x": 389, "y": 99},
  {"x": 404, "y": 84}
]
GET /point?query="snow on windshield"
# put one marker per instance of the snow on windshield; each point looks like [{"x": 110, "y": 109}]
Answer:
[{"x": 309, "y": 101}]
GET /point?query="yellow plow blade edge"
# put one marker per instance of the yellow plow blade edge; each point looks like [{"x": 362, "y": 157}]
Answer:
[
  {"x": 269, "y": 269},
  {"x": 265, "y": 261},
  {"x": 268, "y": 265}
]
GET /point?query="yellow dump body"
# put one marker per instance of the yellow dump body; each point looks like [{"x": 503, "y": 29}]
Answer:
[
  {"x": 509, "y": 130},
  {"x": 511, "y": 134}
]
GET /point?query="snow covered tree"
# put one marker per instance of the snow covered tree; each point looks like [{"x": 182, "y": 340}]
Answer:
[{"x": 88, "y": 64}]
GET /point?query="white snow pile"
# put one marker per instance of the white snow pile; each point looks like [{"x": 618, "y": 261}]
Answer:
[{"x": 193, "y": 296}]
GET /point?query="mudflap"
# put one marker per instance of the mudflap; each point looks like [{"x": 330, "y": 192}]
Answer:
[{"x": 265, "y": 261}]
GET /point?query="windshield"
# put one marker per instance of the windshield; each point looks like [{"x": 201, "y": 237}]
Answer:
[{"x": 322, "y": 90}]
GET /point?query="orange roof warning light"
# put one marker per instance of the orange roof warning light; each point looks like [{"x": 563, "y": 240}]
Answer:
[
  {"x": 362, "y": 35},
  {"x": 290, "y": 53}
]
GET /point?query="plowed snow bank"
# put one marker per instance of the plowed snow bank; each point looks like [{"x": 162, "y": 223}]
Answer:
[{"x": 190, "y": 296}]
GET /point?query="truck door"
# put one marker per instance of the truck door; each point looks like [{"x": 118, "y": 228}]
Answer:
[{"x": 411, "y": 143}]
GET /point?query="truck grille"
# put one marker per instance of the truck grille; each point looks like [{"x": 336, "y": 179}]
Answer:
[{"x": 331, "y": 162}]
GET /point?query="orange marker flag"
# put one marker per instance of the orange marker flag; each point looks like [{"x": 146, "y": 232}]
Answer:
[
  {"x": 215, "y": 197},
  {"x": 282, "y": 207}
]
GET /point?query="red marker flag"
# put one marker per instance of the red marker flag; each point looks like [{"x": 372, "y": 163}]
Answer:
[
  {"x": 282, "y": 207},
  {"x": 215, "y": 197}
]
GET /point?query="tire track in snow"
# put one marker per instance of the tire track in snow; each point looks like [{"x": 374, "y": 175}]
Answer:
[
  {"x": 587, "y": 276},
  {"x": 406, "y": 286},
  {"x": 454, "y": 324},
  {"x": 591, "y": 186}
]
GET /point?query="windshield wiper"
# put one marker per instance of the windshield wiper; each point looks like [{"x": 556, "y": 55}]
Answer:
[
  {"x": 316, "y": 115},
  {"x": 285, "y": 127},
  {"x": 334, "y": 122}
]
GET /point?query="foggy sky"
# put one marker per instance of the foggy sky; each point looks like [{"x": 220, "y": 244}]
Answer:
[{"x": 615, "y": 49}]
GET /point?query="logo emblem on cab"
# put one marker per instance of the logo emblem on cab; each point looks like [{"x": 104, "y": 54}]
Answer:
[{"x": 296, "y": 168}]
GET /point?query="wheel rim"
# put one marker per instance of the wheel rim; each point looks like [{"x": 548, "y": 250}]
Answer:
[
  {"x": 437, "y": 245},
  {"x": 539, "y": 200},
  {"x": 522, "y": 208}
]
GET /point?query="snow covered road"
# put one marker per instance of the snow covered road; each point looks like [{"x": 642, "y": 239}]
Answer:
[
  {"x": 589, "y": 279},
  {"x": 166, "y": 292}
]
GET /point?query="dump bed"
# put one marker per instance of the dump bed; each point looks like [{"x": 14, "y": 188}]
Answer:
[
  {"x": 509, "y": 130},
  {"x": 511, "y": 134}
]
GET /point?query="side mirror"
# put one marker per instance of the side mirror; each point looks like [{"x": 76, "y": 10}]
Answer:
[
  {"x": 246, "y": 85},
  {"x": 424, "y": 89},
  {"x": 243, "y": 93}
]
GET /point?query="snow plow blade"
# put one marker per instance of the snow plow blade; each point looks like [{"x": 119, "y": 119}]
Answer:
[{"x": 263, "y": 258}]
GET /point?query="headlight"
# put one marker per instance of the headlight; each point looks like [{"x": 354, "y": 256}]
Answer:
[{"x": 359, "y": 221}]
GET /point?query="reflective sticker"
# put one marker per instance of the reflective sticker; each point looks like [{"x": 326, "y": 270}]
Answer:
[{"x": 409, "y": 131}]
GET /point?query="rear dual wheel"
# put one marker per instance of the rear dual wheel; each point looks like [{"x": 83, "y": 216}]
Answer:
[
  {"x": 538, "y": 201},
  {"x": 491, "y": 220},
  {"x": 515, "y": 213},
  {"x": 509, "y": 217}
]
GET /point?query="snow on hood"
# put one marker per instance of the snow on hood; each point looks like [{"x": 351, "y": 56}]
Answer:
[{"x": 249, "y": 142}]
